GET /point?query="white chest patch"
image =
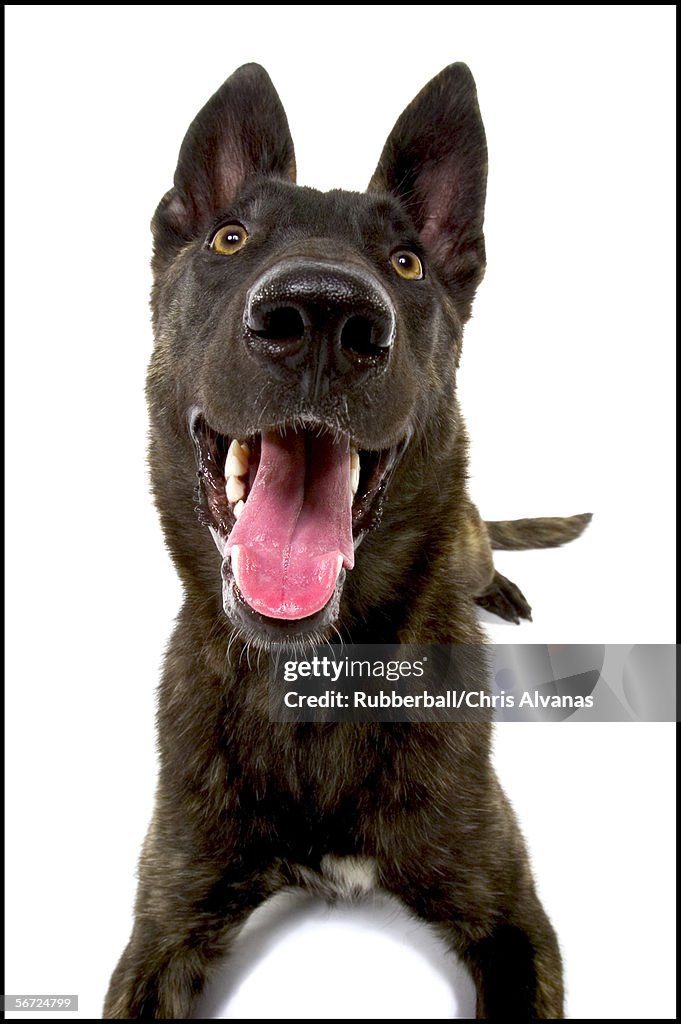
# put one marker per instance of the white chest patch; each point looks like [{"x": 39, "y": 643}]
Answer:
[{"x": 350, "y": 877}]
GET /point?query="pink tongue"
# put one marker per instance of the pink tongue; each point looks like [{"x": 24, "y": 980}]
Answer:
[{"x": 295, "y": 531}]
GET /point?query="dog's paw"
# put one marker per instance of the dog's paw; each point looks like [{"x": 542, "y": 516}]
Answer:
[{"x": 504, "y": 599}]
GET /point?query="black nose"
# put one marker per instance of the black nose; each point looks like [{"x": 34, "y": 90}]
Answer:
[{"x": 321, "y": 320}]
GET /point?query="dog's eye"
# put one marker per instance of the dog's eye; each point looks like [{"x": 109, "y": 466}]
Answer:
[
  {"x": 229, "y": 239},
  {"x": 407, "y": 264}
]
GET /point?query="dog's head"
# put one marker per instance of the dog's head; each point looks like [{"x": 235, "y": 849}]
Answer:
[{"x": 307, "y": 344}]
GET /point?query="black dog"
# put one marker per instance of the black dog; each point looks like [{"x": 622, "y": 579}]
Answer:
[{"x": 305, "y": 364}]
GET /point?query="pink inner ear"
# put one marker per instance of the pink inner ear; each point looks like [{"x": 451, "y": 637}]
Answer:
[
  {"x": 438, "y": 184},
  {"x": 230, "y": 178},
  {"x": 174, "y": 206},
  {"x": 431, "y": 234},
  {"x": 227, "y": 168},
  {"x": 174, "y": 213}
]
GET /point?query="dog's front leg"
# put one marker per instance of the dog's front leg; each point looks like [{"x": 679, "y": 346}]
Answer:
[
  {"x": 513, "y": 955},
  {"x": 469, "y": 877},
  {"x": 190, "y": 905}
]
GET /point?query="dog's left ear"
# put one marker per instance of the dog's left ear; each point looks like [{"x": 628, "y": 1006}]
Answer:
[
  {"x": 435, "y": 162},
  {"x": 241, "y": 132}
]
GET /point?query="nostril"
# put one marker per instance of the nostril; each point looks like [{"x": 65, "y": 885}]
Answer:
[
  {"x": 281, "y": 324},
  {"x": 360, "y": 337}
]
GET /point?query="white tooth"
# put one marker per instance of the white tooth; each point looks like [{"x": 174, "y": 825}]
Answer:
[
  {"x": 236, "y": 463},
  {"x": 235, "y": 553},
  {"x": 236, "y": 488},
  {"x": 245, "y": 452},
  {"x": 238, "y": 508},
  {"x": 234, "y": 466},
  {"x": 354, "y": 470},
  {"x": 339, "y": 565},
  {"x": 219, "y": 540}
]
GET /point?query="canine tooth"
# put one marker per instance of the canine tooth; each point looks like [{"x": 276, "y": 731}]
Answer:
[
  {"x": 236, "y": 463},
  {"x": 234, "y": 555},
  {"x": 238, "y": 508},
  {"x": 354, "y": 459},
  {"x": 354, "y": 478},
  {"x": 219, "y": 540},
  {"x": 236, "y": 488},
  {"x": 245, "y": 450}
]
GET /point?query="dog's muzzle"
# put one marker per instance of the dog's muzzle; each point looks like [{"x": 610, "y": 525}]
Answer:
[{"x": 322, "y": 321}]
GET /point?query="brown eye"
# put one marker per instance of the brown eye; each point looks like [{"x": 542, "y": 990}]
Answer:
[
  {"x": 407, "y": 264},
  {"x": 229, "y": 239}
]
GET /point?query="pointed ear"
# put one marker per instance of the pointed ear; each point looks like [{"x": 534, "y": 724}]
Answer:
[
  {"x": 435, "y": 162},
  {"x": 242, "y": 131}
]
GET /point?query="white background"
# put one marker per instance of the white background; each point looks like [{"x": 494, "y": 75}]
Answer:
[{"x": 566, "y": 383}]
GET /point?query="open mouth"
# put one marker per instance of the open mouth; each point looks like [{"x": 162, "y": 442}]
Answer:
[{"x": 286, "y": 509}]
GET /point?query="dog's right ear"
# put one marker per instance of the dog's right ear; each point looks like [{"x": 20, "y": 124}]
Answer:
[
  {"x": 435, "y": 162},
  {"x": 242, "y": 131}
]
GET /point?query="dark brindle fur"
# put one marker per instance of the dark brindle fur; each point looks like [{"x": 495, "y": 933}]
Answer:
[{"x": 245, "y": 806}]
